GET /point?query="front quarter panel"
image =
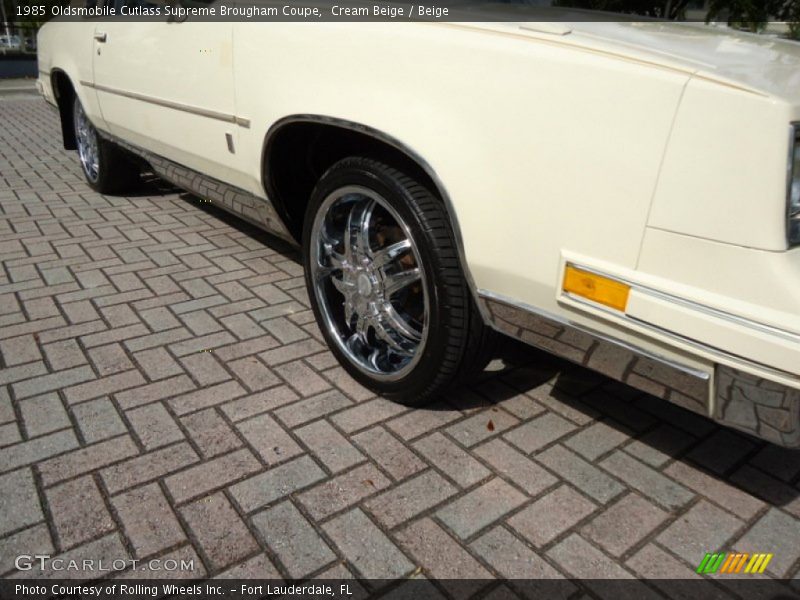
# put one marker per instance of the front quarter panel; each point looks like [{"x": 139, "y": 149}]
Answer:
[{"x": 540, "y": 146}]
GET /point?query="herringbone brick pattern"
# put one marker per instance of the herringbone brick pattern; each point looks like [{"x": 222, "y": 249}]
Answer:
[{"x": 164, "y": 393}]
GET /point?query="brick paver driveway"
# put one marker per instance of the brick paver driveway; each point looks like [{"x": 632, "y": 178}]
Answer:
[{"x": 164, "y": 393}]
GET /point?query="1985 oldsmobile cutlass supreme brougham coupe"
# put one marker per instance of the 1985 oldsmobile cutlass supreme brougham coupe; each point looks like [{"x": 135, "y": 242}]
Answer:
[{"x": 623, "y": 194}]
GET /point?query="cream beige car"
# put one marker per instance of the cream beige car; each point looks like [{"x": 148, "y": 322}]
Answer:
[{"x": 624, "y": 195}]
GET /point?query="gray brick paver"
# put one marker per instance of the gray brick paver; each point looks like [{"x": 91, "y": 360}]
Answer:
[
  {"x": 33, "y": 540},
  {"x": 148, "y": 519},
  {"x": 280, "y": 481},
  {"x": 775, "y": 532},
  {"x": 703, "y": 528},
  {"x": 391, "y": 454},
  {"x": 210, "y": 475},
  {"x": 161, "y": 366},
  {"x": 343, "y": 490},
  {"x": 537, "y": 433},
  {"x": 298, "y": 546},
  {"x": 373, "y": 554},
  {"x": 580, "y": 473},
  {"x": 52, "y": 382},
  {"x": 19, "y": 503},
  {"x": 443, "y": 557},
  {"x": 330, "y": 446},
  {"x": 515, "y": 466},
  {"x": 412, "y": 497},
  {"x": 624, "y": 524},
  {"x": 479, "y": 508},
  {"x": 220, "y": 532},
  {"x": 551, "y": 515},
  {"x": 154, "y": 426},
  {"x": 649, "y": 482},
  {"x": 580, "y": 559},
  {"x": 43, "y": 414},
  {"x": 78, "y": 510},
  {"x": 514, "y": 560},
  {"x": 269, "y": 439},
  {"x": 37, "y": 449},
  {"x": 456, "y": 463}
]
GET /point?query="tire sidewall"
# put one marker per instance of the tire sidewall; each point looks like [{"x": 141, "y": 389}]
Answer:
[{"x": 351, "y": 172}]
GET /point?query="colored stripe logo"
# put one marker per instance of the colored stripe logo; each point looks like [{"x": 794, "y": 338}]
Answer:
[{"x": 732, "y": 562}]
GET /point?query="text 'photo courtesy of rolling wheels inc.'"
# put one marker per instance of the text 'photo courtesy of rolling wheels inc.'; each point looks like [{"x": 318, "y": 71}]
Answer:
[{"x": 388, "y": 299}]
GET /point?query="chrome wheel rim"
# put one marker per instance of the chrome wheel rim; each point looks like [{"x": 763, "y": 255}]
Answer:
[
  {"x": 86, "y": 137},
  {"x": 369, "y": 283}
]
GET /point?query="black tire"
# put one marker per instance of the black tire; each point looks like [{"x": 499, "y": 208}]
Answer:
[
  {"x": 115, "y": 171},
  {"x": 458, "y": 343}
]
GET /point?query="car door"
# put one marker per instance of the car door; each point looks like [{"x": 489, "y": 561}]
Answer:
[{"x": 167, "y": 86}]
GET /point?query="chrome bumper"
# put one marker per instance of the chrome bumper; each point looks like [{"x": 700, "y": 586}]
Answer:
[{"x": 757, "y": 406}]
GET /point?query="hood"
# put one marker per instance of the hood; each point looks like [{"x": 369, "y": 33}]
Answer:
[
  {"x": 762, "y": 63},
  {"x": 758, "y": 63}
]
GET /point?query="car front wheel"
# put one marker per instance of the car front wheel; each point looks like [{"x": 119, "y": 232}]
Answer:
[{"x": 386, "y": 285}]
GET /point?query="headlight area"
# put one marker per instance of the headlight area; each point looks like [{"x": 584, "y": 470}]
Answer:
[{"x": 793, "y": 218}]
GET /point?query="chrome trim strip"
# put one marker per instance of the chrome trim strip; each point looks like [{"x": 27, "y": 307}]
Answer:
[
  {"x": 656, "y": 375},
  {"x": 716, "y": 352},
  {"x": 749, "y": 403},
  {"x": 405, "y": 149},
  {"x": 486, "y": 294},
  {"x": 195, "y": 110},
  {"x": 768, "y": 329},
  {"x": 251, "y": 208}
]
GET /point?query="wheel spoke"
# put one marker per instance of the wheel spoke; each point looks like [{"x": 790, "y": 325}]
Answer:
[
  {"x": 362, "y": 324},
  {"x": 364, "y": 230},
  {"x": 337, "y": 260},
  {"x": 356, "y": 236},
  {"x": 373, "y": 359},
  {"x": 397, "y": 322},
  {"x": 384, "y": 256},
  {"x": 349, "y": 312},
  {"x": 343, "y": 286},
  {"x": 385, "y": 335},
  {"x": 397, "y": 281}
]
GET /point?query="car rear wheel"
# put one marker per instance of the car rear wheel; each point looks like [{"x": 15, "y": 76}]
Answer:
[
  {"x": 386, "y": 285},
  {"x": 105, "y": 165}
]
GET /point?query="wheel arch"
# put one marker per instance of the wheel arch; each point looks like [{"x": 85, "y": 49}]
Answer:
[
  {"x": 298, "y": 149},
  {"x": 64, "y": 93}
]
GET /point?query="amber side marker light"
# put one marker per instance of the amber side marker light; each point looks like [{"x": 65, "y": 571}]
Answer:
[{"x": 596, "y": 288}]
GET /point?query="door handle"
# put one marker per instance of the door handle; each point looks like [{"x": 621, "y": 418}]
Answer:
[{"x": 101, "y": 37}]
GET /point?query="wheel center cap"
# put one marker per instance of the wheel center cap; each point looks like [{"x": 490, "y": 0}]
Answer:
[{"x": 364, "y": 285}]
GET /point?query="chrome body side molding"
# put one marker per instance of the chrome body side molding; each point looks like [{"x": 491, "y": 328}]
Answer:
[
  {"x": 195, "y": 110},
  {"x": 757, "y": 406},
  {"x": 658, "y": 376},
  {"x": 258, "y": 211}
]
